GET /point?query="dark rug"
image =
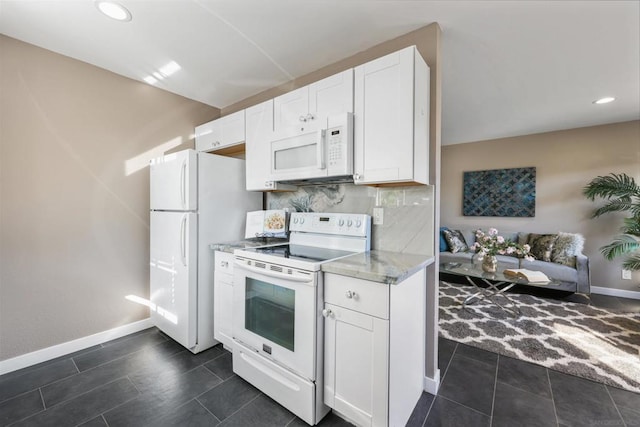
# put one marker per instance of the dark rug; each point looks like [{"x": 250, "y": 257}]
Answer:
[{"x": 577, "y": 339}]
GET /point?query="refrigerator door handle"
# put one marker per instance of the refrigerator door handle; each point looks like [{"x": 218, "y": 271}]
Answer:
[
  {"x": 183, "y": 184},
  {"x": 183, "y": 240}
]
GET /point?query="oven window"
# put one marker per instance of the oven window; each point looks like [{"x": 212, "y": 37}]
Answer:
[{"x": 270, "y": 312}]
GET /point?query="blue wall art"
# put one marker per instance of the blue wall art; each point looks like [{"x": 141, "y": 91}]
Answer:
[{"x": 500, "y": 192}]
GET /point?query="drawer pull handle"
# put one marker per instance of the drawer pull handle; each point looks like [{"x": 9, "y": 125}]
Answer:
[
  {"x": 224, "y": 264},
  {"x": 327, "y": 312},
  {"x": 351, "y": 294}
]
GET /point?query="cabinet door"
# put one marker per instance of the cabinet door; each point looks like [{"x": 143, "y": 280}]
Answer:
[
  {"x": 232, "y": 129},
  {"x": 259, "y": 133},
  {"x": 208, "y": 136},
  {"x": 223, "y": 298},
  {"x": 331, "y": 96},
  {"x": 291, "y": 110},
  {"x": 220, "y": 133},
  {"x": 356, "y": 371},
  {"x": 222, "y": 314},
  {"x": 383, "y": 119}
]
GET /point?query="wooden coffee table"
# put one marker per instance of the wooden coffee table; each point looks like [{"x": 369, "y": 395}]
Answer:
[{"x": 497, "y": 284}]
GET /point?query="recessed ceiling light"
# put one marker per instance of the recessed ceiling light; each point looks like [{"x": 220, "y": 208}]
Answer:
[
  {"x": 604, "y": 100},
  {"x": 113, "y": 10}
]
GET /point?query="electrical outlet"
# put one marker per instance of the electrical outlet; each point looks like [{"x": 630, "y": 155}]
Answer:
[
  {"x": 378, "y": 216},
  {"x": 626, "y": 274}
]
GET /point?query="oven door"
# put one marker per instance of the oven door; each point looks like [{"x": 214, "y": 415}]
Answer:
[{"x": 275, "y": 313}]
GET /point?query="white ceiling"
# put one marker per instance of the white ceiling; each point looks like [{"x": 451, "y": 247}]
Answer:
[{"x": 509, "y": 67}]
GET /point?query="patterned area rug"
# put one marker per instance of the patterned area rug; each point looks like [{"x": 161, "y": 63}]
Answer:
[{"x": 576, "y": 339}]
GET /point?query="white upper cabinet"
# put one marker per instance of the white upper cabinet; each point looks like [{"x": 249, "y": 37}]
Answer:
[
  {"x": 221, "y": 134},
  {"x": 259, "y": 133},
  {"x": 391, "y": 119},
  {"x": 308, "y": 107}
]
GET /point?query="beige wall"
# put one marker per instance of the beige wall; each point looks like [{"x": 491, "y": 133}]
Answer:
[
  {"x": 74, "y": 193},
  {"x": 565, "y": 162}
]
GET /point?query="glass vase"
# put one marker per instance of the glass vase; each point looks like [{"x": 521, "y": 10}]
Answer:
[{"x": 489, "y": 264}]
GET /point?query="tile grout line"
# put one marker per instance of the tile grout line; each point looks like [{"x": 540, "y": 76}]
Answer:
[
  {"x": 207, "y": 409},
  {"x": 446, "y": 369},
  {"x": 615, "y": 405},
  {"x": 553, "y": 400},
  {"x": 292, "y": 419},
  {"x": 464, "y": 406},
  {"x": 75, "y": 364},
  {"x": 123, "y": 403},
  {"x": 44, "y": 405},
  {"x": 243, "y": 406},
  {"x": 495, "y": 387},
  {"x": 89, "y": 391},
  {"x": 433, "y": 402}
]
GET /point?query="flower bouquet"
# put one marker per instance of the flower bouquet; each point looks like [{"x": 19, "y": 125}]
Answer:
[{"x": 490, "y": 244}]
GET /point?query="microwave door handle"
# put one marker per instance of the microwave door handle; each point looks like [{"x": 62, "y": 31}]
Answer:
[
  {"x": 321, "y": 154},
  {"x": 273, "y": 274}
]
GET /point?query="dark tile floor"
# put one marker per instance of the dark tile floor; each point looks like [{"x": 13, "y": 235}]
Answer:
[{"x": 148, "y": 379}]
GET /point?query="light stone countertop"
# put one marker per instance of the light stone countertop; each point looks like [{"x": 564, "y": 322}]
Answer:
[
  {"x": 253, "y": 242},
  {"x": 379, "y": 266}
]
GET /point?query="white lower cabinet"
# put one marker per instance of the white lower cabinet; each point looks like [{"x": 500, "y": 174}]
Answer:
[
  {"x": 374, "y": 348},
  {"x": 356, "y": 363},
  {"x": 222, "y": 298}
]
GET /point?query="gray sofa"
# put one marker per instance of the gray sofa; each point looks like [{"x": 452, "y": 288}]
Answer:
[{"x": 574, "y": 279}]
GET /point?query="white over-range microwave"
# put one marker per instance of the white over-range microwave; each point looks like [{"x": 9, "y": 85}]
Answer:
[{"x": 324, "y": 154}]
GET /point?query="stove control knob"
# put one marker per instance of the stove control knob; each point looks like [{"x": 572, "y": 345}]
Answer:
[
  {"x": 301, "y": 220},
  {"x": 341, "y": 222},
  {"x": 358, "y": 223},
  {"x": 295, "y": 220},
  {"x": 349, "y": 223}
]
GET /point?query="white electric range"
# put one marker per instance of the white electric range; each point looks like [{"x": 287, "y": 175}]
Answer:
[{"x": 277, "y": 308}]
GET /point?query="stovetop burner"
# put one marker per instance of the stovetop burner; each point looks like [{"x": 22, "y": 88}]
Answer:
[{"x": 301, "y": 252}]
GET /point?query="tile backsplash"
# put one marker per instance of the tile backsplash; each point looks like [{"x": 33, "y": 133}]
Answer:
[{"x": 408, "y": 211}]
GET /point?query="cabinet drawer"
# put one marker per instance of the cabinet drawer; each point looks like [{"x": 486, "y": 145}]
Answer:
[
  {"x": 356, "y": 294},
  {"x": 223, "y": 263}
]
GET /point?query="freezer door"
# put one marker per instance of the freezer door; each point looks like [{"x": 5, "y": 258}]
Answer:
[
  {"x": 174, "y": 290},
  {"x": 173, "y": 180}
]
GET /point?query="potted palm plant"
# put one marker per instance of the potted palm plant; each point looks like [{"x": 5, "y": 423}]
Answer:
[{"x": 622, "y": 194}]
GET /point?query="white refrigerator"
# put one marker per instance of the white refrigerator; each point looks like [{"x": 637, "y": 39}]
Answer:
[{"x": 196, "y": 199}]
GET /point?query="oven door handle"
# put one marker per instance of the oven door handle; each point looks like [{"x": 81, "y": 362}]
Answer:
[{"x": 274, "y": 274}]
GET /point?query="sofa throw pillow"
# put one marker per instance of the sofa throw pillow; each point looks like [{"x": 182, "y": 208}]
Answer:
[
  {"x": 455, "y": 241},
  {"x": 566, "y": 247},
  {"x": 542, "y": 245},
  {"x": 443, "y": 241}
]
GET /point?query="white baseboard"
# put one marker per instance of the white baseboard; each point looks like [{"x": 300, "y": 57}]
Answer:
[
  {"x": 431, "y": 385},
  {"x": 58, "y": 350},
  {"x": 615, "y": 292}
]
